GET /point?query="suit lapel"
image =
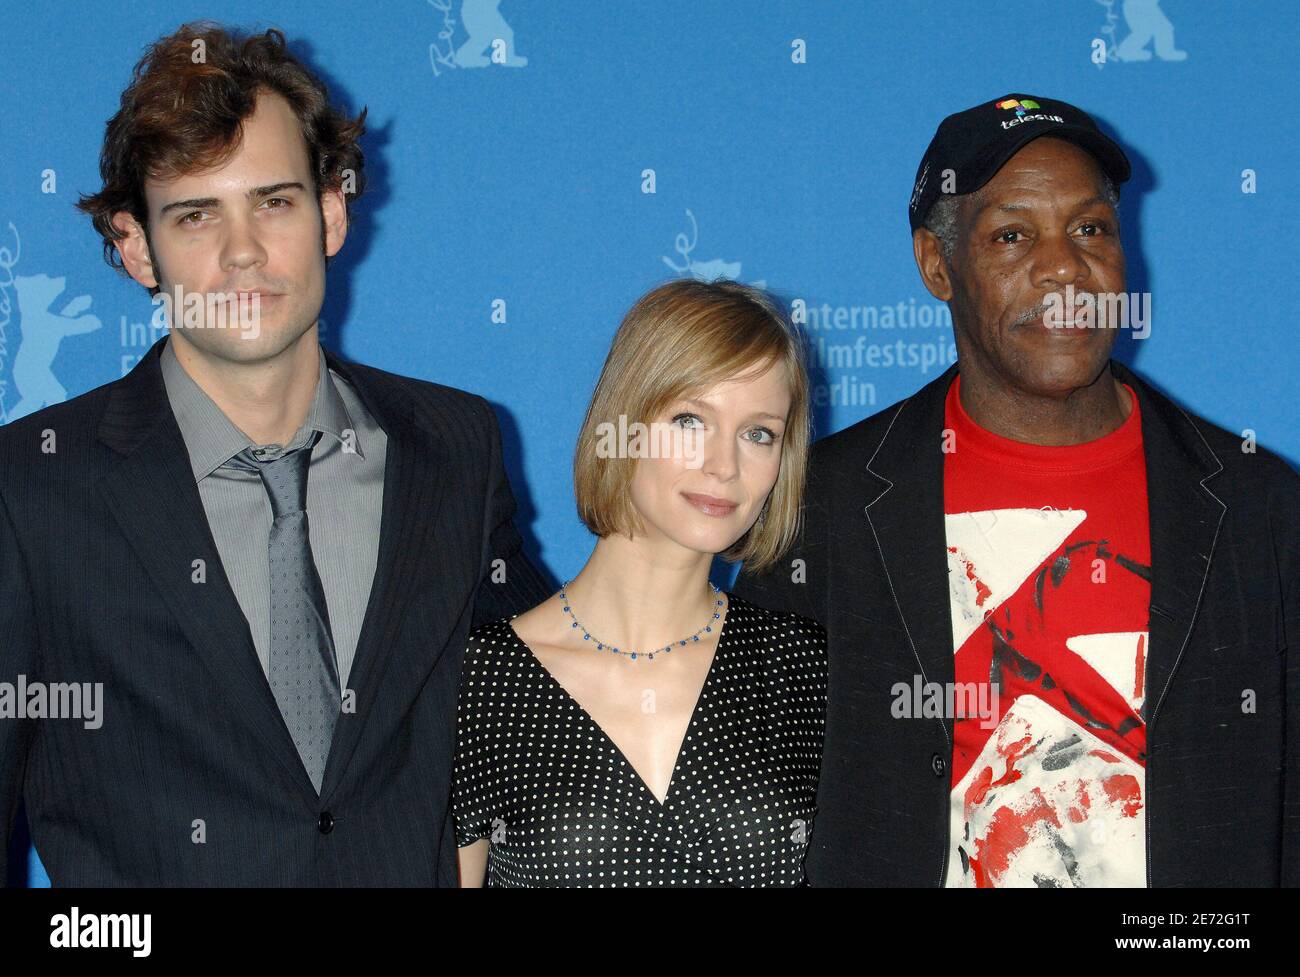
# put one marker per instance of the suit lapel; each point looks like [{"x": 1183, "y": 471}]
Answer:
[
  {"x": 904, "y": 509},
  {"x": 1184, "y": 517},
  {"x": 418, "y": 460},
  {"x": 139, "y": 424},
  {"x": 153, "y": 496}
]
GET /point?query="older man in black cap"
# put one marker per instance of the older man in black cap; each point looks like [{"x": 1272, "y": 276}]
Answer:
[{"x": 1064, "y": 612}]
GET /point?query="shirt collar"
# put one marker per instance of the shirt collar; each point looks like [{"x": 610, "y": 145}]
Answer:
[{"x": 211, "y": 438}]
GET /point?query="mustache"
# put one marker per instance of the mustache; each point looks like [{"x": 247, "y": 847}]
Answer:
[
  {"x": 1081, "y": 305},
  {"x": 1028, "y": 316}
]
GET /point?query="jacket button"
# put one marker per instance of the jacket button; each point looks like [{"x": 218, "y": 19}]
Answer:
[
  {"x": 325, "y": 823},
  {"x": 938, "y": 765}
]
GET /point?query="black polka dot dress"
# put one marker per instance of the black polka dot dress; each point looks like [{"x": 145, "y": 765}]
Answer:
[{"x": 563, "y": 807}]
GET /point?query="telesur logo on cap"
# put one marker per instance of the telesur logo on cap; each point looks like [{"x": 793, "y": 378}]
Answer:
[
  {"x": 1019, "y": 106},
  {"x": 1022, "y": 106}
]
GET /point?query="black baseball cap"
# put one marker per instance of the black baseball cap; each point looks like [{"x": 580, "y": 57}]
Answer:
[{"x": 975, "y": 144}]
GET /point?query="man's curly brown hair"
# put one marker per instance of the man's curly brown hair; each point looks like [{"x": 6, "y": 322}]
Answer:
[{"x": 184, "y": 110}]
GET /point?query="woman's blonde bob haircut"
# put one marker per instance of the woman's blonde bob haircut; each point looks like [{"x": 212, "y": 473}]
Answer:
[{"x": 679, "y": 340}]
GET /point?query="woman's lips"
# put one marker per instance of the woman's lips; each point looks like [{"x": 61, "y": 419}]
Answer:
[{"x": 710, "y": 505}]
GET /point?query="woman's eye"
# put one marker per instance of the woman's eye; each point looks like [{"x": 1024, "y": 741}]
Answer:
[
  {"x": 765, "y": 436},
  {"x": 688, "y": 417}
]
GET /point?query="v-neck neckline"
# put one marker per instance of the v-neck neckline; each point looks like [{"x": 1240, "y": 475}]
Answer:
[{"x": 705, "y": 689}]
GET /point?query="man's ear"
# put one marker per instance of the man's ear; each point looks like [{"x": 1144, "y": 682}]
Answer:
[
  {"x": 134, "y": 250},
  {"x": 334, "y": 212},
  {"x": 928, "y": 251}
]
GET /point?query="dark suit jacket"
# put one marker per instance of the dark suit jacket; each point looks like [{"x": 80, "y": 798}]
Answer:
[
  {"x": 98, "y": 540},
  {"x": 1222, "y": 784}
]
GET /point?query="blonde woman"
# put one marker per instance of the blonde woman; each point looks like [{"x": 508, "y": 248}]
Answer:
[{"x": 640, "y": 727}]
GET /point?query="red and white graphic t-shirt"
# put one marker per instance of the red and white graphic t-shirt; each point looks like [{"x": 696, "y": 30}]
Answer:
[{"x": 1050, "y": 585}]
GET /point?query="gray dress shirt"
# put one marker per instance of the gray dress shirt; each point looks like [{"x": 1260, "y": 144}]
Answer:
[{"x": 345, "y": 492}]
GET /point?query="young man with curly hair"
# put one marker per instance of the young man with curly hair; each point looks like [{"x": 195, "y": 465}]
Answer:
[{"x": 267, "y": 557}]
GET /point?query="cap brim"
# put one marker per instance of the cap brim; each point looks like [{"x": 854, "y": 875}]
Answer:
[{"x": 1107, "y": 152}]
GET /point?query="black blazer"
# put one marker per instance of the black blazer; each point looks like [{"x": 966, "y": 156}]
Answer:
[
  {"x": 1222, "y": 784},
  {"x": 98, "y": 540}
]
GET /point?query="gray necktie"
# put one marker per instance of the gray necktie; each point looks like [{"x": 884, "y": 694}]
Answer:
[{"x": 304, "y": 672}]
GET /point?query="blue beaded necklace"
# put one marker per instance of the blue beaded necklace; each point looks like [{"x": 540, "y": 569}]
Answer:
[{"x": 606, "y": 646}]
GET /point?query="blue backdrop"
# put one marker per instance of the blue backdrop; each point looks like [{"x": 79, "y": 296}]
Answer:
[{"x": 624, "y": 142}]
